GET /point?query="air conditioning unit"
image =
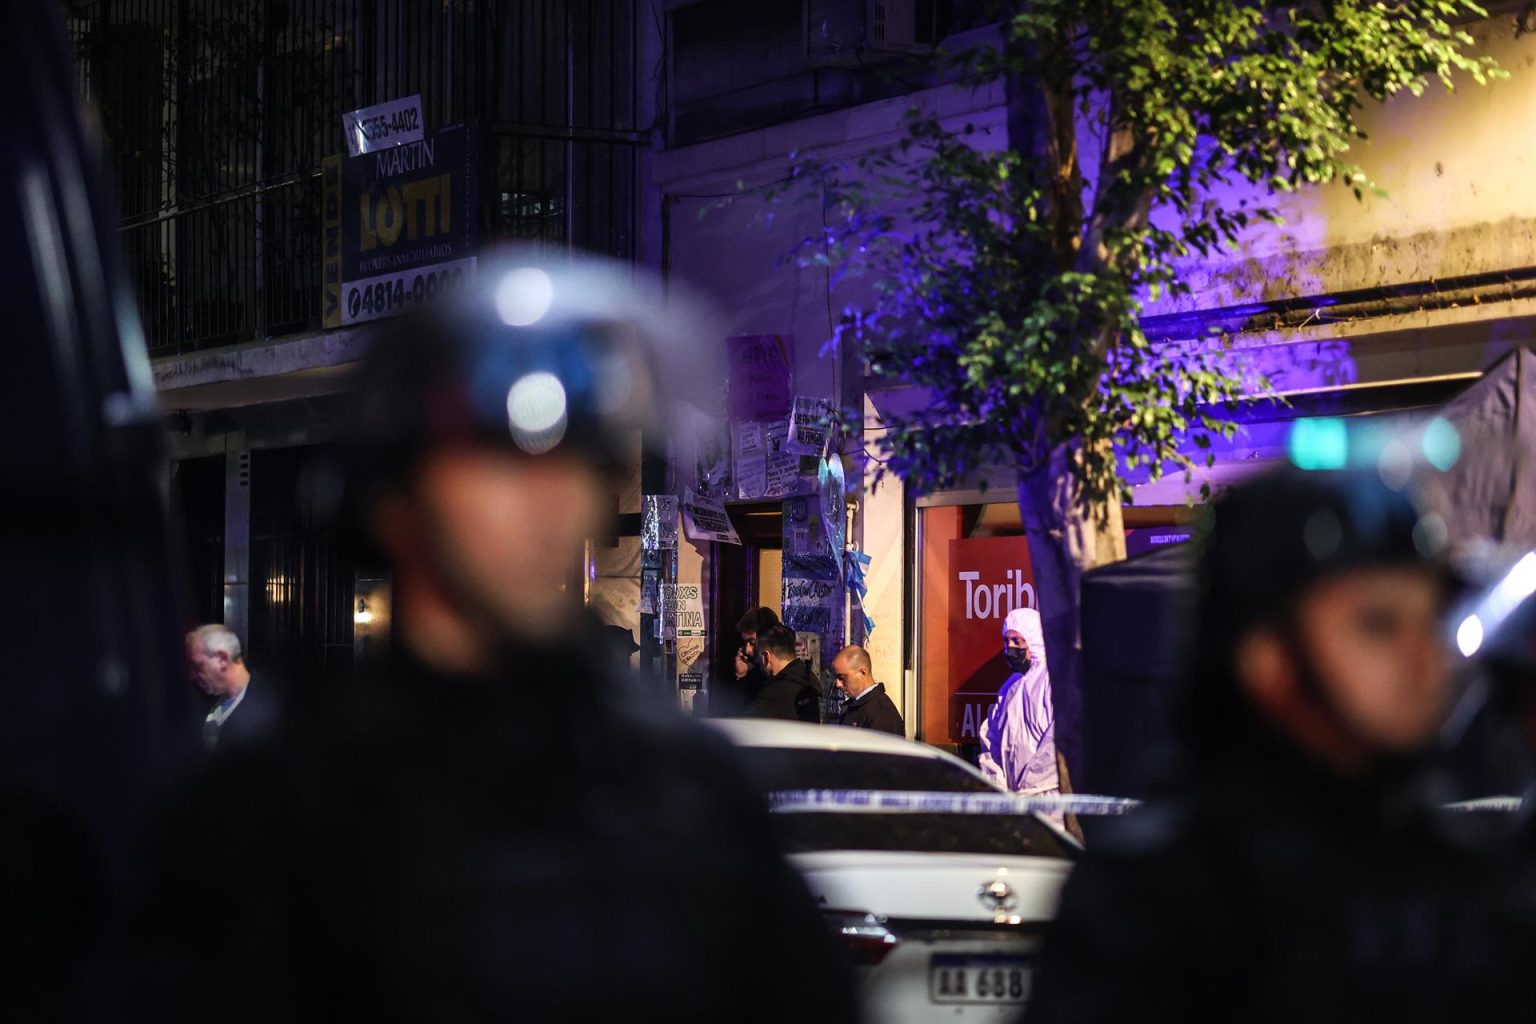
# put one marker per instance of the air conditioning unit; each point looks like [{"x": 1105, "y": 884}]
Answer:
[{"x": 850, "y": 33}]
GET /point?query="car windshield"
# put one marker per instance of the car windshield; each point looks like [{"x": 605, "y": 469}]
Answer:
[
  {"x": 1005, "y": 835},
  {"x": 776, "y": 769},
  {"x": 780, "y": 768}
]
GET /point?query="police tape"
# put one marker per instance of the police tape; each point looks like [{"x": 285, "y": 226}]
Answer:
[
  {"x": 884, "y": 801},
  {"x": 1494, "y": 804}
]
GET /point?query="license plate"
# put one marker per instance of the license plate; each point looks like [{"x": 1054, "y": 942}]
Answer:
[{"x": 994, "y": 980}]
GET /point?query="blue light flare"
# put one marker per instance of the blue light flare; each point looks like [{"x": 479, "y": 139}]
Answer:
[{"x": 1321, "y": 443}]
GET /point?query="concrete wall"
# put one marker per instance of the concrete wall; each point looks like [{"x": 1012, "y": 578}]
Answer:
[
  {"x": 1458, "y": 204},
  {"x": 1457, "y": 177}
]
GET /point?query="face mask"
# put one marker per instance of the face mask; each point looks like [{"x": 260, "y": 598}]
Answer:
[{"x": 1017, "y": 658}]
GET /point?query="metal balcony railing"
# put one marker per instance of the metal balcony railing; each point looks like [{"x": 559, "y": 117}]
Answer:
[{"x": 216, "y": 115}]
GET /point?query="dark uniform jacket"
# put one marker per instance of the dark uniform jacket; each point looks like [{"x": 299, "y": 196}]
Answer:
[
  {"x": 425, "y": 847},
  {"x": 257, "y": 715},
  {"x": 729, "y": 697},
  {"x": 873, "y": 709},
  {"x": 793, "y": 694},
  {"x": 1278, "y": 892}
]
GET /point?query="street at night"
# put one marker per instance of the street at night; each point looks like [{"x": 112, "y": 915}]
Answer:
[{"x": 698, "y": 511}]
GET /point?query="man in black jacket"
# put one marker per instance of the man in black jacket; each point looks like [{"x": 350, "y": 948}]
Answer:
[
  {"x": 868, "y": 705},
  {"x": 734, "y": 696},
  {"x": 485, "y": 827},
  {"x": 1296, "y": 872},
  {"x": 791, "y": 692},
  {"x": 242, "y": 708}
]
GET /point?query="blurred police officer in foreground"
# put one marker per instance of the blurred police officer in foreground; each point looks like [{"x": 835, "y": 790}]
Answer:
[
  {"x": 1295, "y": 876},
  {"x": 484, "y": 828},
  {"x": 1498, "y": 629}
]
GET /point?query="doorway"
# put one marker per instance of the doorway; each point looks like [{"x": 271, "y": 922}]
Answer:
[{"x": 741, "y": 578}]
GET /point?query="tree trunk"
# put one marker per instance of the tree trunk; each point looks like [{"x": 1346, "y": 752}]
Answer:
[{"x": 1065, "y": 540}]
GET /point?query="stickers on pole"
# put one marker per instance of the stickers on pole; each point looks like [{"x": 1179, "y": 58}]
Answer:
[
  {"x": 707, "y": 520},
  {"x": 666, "y": 620},
  {"x": 812, "y": 586},
  {"x": 658, "y": 555},
  {"x": 658, "y": 522}
]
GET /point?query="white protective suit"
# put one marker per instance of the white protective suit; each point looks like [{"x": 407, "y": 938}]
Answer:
[{"x": 1018, "y": 739}]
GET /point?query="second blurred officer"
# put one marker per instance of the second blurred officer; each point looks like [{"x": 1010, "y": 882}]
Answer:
[{"x": 1296, "y": 875}]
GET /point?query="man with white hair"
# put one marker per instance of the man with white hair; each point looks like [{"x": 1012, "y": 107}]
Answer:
[
  {"x": 218, "y": 670},
  {"x": 1018, "y": 739}
]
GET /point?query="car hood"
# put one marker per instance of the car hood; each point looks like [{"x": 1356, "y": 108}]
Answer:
[{"x": 941, "y": 886}]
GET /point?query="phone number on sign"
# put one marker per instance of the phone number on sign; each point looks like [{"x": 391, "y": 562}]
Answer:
[{"x": 390, "y": 295}]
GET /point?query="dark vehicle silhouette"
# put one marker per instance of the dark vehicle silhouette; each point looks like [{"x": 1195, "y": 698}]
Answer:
[{"x": 92, "y": 699}]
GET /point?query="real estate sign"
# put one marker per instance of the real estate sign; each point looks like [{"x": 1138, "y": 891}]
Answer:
[{"x": 400, "y": 226}]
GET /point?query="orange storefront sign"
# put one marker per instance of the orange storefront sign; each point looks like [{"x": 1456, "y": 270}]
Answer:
[{"x": 988, "y": 577}]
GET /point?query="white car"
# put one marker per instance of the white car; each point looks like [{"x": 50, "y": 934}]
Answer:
[{"x": 941, "y": 912}]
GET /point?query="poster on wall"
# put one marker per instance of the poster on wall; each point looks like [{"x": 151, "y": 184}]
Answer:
[
  {"x": 988, "y": 578},
  {"x": 809, "y": 425},
  {"x": 759, "y": 368},
  {"x": 782, "y": 466},
  {"x": 688, "y": 612},
  {"x": 398, "y": 226},
  {"x": 761, "y": 403},
  {"x": 751, "y": 461},
  {"x": 712, "y": 463},
  {"x": 764, "y": 468},
  {"x": 810, "y": 601},
  {"x": 707, "y": 520},
  {"x": 805, "y": 534}
]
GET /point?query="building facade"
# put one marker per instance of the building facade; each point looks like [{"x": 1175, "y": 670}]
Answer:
[
  {"x": 1353, "y": 307},
  {"x": 218, "y": 117},
  {"x": 630, "y": 128}
]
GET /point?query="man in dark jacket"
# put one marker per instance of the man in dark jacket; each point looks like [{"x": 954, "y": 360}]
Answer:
[
  {"x": 734, "y": 696},
  {"x": 1296, "y": 872},
  {"x": 242, "y": 706},
  {"x": 791, "y": 692},
  {"x": 485, "y": 827},
  {"x": 868, "y": 705}
]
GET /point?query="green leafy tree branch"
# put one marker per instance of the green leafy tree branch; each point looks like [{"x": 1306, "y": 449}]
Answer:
[{"x": 1008, "y": 283}]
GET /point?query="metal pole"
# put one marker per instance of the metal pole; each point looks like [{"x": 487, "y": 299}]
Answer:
[{"x": 237, "y": 536}]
